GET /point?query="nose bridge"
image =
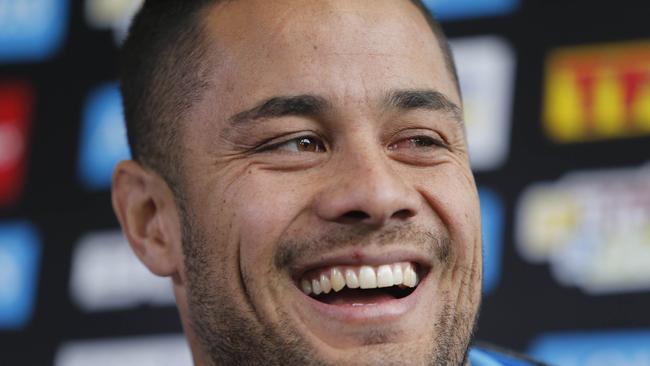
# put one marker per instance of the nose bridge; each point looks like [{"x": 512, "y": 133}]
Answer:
[
  {"x": 365, "y": 187},
  {"x": 372, "y": 172}
]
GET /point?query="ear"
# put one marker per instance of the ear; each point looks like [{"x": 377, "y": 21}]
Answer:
[{"x": 145, "y": 207}]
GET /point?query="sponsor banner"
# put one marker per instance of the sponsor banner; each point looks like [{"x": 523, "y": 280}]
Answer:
[
  {"x": 106, "y": 275},
  {"x": 598, "y": 92},
  {"x": 492, "y": 221},
  {"x": 161, "y": 350},
  {"x": 115, "y": 15},
  {"x": 103, "y": 137},
  {"x": 611, "y": 348},
  {"x": 16, "y": 100},
  {"x": 460, "y": 9},
  {"x": 20, "y": 253},
  {"x": 486, "y": 67},
  {"x": 31, "y": 30},
  {"x": 592, "y": 227}
]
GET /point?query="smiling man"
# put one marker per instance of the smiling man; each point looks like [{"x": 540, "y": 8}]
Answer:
[{"x": 301, "y": 173}]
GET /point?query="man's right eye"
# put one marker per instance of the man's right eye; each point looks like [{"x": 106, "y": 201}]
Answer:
[{"x": 300, "y": 144}]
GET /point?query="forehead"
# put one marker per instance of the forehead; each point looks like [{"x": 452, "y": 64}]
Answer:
[{"x": 344, "y": 50}]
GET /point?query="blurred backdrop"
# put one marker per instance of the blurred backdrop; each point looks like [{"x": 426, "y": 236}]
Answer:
[{"x": 557, "y": 103}]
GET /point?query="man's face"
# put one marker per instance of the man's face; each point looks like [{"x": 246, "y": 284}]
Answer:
[{"x": 329, "y": 147}]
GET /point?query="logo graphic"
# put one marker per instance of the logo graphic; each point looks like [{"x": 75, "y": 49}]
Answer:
[
  {"x": 103, "y": 137},
  {"x": 106, "y": 275},
  {"x": 15, "y": 115},
  {"x": 598, "y": 92},
  {"x": 19, "y": 262},
  {"x": 460, "y": 9},
  {"x": 613, "y": 348},
  {"x": 163, "y": 350},
  {"x": 592, "y": 227},
  {"x": 112, "y": 14},
  {"x": 492, "y": 230},
  {"x": 31, "y": 29},
  {"x": 486, "y": 72}
]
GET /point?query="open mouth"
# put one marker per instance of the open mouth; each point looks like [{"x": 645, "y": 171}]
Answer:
[{"x": 362, "y": 285}]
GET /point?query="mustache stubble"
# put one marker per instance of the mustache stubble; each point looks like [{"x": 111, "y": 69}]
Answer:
[{"x": 434, "y": 244}]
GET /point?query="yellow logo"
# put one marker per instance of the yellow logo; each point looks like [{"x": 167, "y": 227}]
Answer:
[{"x": 598, "y": 92}]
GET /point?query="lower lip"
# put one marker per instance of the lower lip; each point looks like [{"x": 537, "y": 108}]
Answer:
[{"x": 382, "y": 311}]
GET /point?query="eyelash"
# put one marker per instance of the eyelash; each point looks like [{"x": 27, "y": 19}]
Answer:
[
  {"x": 298, "y": 140},
  {"x": 425, "y": 142},
  {"x": 429, "y": 142}
]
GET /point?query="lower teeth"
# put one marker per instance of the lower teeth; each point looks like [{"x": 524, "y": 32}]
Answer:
[{"x": 347, "y": 295}]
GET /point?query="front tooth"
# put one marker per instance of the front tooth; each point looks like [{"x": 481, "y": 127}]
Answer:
[
  {"x": 410, "y": 277},
  {"x": 351, "y": 279},
  {"x": 384, "y": 276},
  {"x": 398, "y": 276},
  {"x": 305, "y": 286},
  {"x": 367, "y": 277},
  {"x": 325, "y": 284},
  {"x": 338, "y": 281},
  {"x": 315, "y": 286}
]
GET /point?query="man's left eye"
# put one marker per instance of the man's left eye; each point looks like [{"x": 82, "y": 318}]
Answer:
[
  {"x": 418, "y": 142},
  {"x": 299, "y": 144}
]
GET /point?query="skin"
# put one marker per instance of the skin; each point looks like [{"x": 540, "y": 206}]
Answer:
[{"x": 372, "y": 179}]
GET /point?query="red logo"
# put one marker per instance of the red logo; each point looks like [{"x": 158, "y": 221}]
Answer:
[{"x": 15, "y": 114}]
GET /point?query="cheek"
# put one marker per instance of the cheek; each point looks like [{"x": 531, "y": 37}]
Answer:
[
  {"x": 267, "y": 206},
  {"x": 452, "y": 195}
]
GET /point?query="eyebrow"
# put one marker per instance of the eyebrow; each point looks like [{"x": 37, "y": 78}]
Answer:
[
  {"x": 424, "y": 99},
  {"x": 299, "y": 105},
  {"x": 313, "y": 105}
]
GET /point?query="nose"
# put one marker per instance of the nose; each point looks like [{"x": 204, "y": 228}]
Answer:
[{"x": 367, "y": 189}]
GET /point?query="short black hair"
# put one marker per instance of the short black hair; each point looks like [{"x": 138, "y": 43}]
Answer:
[{"x": 163, "y": 72}]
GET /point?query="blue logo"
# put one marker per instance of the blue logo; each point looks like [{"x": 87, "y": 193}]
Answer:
[
  {"x": 20, "y": 253},
  {"x": 492, "y": 230},
  {"x": 31, "y": 29},
  {"x": 103, "y": 137},
  {"x": 611, "y": 348},
  {"x": 459, "y": 9}
]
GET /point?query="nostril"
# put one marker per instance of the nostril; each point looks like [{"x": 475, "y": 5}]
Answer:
[
  {"x": 403, "y": 214},
  {"x": 356, "y": 215}
]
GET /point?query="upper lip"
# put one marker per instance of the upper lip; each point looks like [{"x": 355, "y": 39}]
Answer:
[{"x": 360, "y": 256}]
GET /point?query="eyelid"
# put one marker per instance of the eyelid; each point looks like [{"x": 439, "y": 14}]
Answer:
[
  {"x": 437, "y": 141},
  {"x": 408, "y": 134},
  {"x": 274, "y": 143}
]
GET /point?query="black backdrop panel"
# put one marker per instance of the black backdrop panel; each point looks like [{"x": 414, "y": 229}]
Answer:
[{"x": 557, "y": 97}]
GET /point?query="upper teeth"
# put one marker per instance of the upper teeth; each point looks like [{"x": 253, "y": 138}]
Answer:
[{"x": 365, "y": 277}]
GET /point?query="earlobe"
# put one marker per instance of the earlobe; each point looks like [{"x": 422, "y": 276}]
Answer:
[{"x": 145, "y": 208}]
